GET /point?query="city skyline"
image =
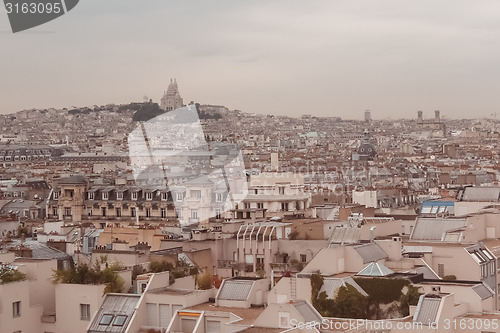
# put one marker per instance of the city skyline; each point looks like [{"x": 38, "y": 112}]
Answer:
[{"x": 321, "y": 58}]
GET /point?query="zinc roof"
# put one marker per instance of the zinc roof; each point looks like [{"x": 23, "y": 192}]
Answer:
[
  {"x": 235, "y": 290},
  {"x": 435, "y": 228}
]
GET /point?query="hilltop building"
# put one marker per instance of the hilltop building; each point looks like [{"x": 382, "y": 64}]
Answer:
[{"x": 171, "y": 99}]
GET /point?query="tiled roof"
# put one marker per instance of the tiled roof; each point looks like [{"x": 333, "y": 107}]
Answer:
[
  {"x": 370, "y": 252},
  {"x": 308, "y": 312},
  {"x": 417, "y": 249},
  {"x": 77, "y": 179},
  {"x": 39, "y": 250},
  {"x": 427, "y": 310},
  {"x": 481, "y": 194},
  {"x": 345, "y": 235},
  {"x": 116, "y": 309},
  {"x": 483, "y": 291}
]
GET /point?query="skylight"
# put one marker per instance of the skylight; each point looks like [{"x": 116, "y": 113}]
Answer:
[
  {"x": 106, "y": 319},
  {"x": 119, "y": 320},
  {"x": 487, "y": 254}
]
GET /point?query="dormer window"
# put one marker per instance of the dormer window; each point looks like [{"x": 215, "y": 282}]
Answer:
[
  {"x": 149, "y": 195},
  {"x": 105, "y": 195},
  {"x": 179, "y": 196},
  {"x": 119, "y": 195},
  {"x": 56, "y": 195},
  {"x": 164, "y": 196},
  {"x": 91, "y": 195},
  {"x": 218, "y": 197},
  {"x": 134, "y": 195},
  {"x": 196, "y": 194}
]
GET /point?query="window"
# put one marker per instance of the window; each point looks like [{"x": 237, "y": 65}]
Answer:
[
  {"x": 178, "y": 213},
  {"x": 16, "y": 309},
  {"x": 132, "y": 211},
  {"x": 256, "y": 191},
  {"x": 67, "y": 211},
  {"x": 119, "y": 195},
  {"x": 119, "y": 320},
  {"x": 303, "y": 258},
  {"x": 84, "y": 311},
  {"x": 163, "y": 213},
  {"x": 69, "y": 193},
  {"x": 54, "y": 211},
  {"x": 105, "y": 195},
  {"x": 134, "y": 195},
  {"x": 281, "y": 190},
  {"x": 118, "y": 212},
  {"x": 247, "y": 205},
  {"x": 164, "y": 196},
  {"x": 179, "y": 196},
  {"x": 106, "y": 319},
  {"x": 284, "y": 206},
  {"x": 260, "y": 205},
  {"x": 196, "y": 194},
  {"x": 218, "y": 197},
  {"x": 218, "y": 214},
  {"x": 56, "y": 195},
  {"x": 441, "y": 270},
  {"x": 148, "y": 212},
  {"x": 91, "y": 195},
  {"x": 103, "y": 210},
  {"x": 284, "y": 319},
  {"x": 149, "y": 195},
  {"x": 194, "y": 214}
]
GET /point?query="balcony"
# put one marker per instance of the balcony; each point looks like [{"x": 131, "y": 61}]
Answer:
[{"x": 49, "y": 317}]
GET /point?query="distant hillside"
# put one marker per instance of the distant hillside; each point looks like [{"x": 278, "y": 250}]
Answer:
[{"x": 145, "y": 111}]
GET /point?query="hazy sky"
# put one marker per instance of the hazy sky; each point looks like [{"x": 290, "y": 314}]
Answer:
[{"x": 332, "y": 58}]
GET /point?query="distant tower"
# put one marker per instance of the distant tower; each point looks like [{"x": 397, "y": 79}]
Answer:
[
  {"x": 437, "y": 115},
  {"x": 171, "y": 100},
  {"x": 368, "y": 116},
  {"x": 420, "y": 117},
  {"x": 366, "y": 151}
]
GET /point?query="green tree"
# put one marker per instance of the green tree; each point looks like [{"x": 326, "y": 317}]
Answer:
[
  {"x": 411, "y": 297},
  {"x": 9, "y": 274},
  {"x": 349, "y": 303},
  {"x": 316, "y": 284},
  {"x": 83, "y": 274},
  {"x": 204, "y": 281},
  {"x": 160, "y": 266}
]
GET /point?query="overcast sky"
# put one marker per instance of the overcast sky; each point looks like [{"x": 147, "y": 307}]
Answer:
[{"x": 329, "y": 58}]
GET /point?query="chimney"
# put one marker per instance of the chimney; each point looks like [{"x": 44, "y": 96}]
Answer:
[
  {"x": 436, "y": 115},
  {"x": 420, "y": 117},
  {"x": 372, "y": 233}
]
